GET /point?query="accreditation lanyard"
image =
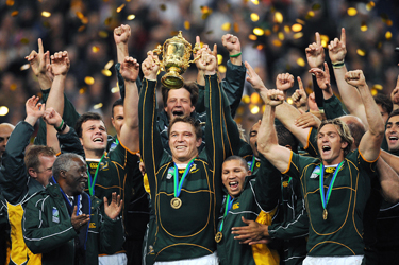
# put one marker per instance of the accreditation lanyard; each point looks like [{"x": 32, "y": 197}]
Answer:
[
  {"x": 92, "y": 181},
  {"x": 229, "y": 203},
  {"x": 69, "y": 203},
  {"x": 177, "y": 185},
  {"x": 326, "y": 197}
]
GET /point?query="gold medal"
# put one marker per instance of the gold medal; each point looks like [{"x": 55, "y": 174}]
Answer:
[
  {"x": 218, "y": 237},
  {"x": 175, "y": 203},
  {"x": 325, "y": 213}
]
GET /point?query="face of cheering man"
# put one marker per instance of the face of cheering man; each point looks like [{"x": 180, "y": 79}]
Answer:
[
  {"x": 5, "y": 133},
  {"x": 117, "y": 119},
  {"x": 392, "y": 134},
  {"x": 178, "y": 103},
  {"x": 234, "y": 173},
  {"x": 331, "y": 148},
  {"x": 94, "y": 135},
  {"x": 183, "y": 142},
  {"x": 75, "y": 177},
  {"x": 43, "y": 172}
]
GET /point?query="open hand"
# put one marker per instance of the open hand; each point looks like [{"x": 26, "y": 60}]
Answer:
[
  {"x": 113, "y": 210},
  {"x": 79, "y": 221}
]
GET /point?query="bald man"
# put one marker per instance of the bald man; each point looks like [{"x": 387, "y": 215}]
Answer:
[{"x": 5, "y": 133}]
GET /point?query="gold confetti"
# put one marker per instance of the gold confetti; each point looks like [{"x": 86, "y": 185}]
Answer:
[
  {"x": 24, "y": 67},
  {"x": 13, "y": 87},
  {"x": 258, "y": 31},
  {"x": 324, "y": 39},
  {"x": 360, "y": 52},
  {"x": 82, "y": 90},
  {"x": 255, "y": 98},
  {"x": 222, "y": 69},
  {"x": 259, "y": 47},
  {"x": 4, "y": 110},
  {"x": 98, "y": 106},
  {"x": 316, "y": 7},
  {"x": 220, "y": 58},
  {"x": 115, "y": 89},
  {"x": 119, "y": 9},
  {"x": 109, "y": 64},
  {"x": 106, "y": 72},
  {"x": 252, "y": 37},
  {"x": 186, "y": 25},
  {"x": 89, "y": 80},
  {"x": 300, "y": 21},
  {"x": 81, "y": 28},
  {"x": 363, "y": 27},
  {"x": 298, "y": 35},
  {"x": 276, "y": 28},
  {"x": 246, "y": 99},
  {"x": 389, "y": 22},
  {"x": 254, "y": 17},
  {"x": 296, "y": 27},
  {"x": 277, "y": 43},
  {"x": 162, "y": 7},
  {"x": 80, "y": 15},
  {"x": 268, "y": 32},
  {"x": 206, "y": 11},
  {"x": 374, "y": 91},
  {"x": 25, "y": 41},
  {"x": 281, "y": 36},
  {"x": 290, "y": 101},
  {"x": 95, "y": 49},
  {"x": 45, "y": 14},
  {"x": 351, "y": 11},
  {"x": 131, "y": 17},
  {"x": 388, "y": 35},
  {"x": 300, "y": 61},
  {"x": 287, "y": 28},
  {"x": 103, "y": 34},
  {"x": 255, "y": 2},
  {"x": 278, "y": 17},
  {"x": 309, "y": 15},
  {"x": 378, "y": 86},
  {"x": 226, "y": 26},
  {"x": 235, "y": 27},
  {"x": 254, "y": 109},
  {"x": 14, "y": 14},
  {"x": 10, "y": 2},
  {"x": 107, "y": 21}
]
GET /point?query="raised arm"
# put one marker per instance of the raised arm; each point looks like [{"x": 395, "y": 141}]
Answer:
[
  {"x": 39, "y": 62},
  {"x": 130, "y": 130},
  {"x": 284, "y": 82},
  {"x": 371, "y": 142},
  {"x": 267, "y": 139},
  {"x": 349, "y": 95},
  {"x": 14, "y": 180},
  {"x": 150, "y": 140},
  {"x": 395, "y": 95}
]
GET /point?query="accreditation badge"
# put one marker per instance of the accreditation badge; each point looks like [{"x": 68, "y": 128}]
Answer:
[
  {"x": 315, "y": 173},
  {"x": 56, "y": 216},
  {"x": 170, "y": 173}
]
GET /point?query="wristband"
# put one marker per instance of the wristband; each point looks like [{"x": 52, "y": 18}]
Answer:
[
  {"x": 61, "y": 127},
  {"x": 236, "y": 55},
  {"x": 338, "y": 65}
]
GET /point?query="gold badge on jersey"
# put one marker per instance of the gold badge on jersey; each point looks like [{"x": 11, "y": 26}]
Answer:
[{"x": 236, "y": 205}]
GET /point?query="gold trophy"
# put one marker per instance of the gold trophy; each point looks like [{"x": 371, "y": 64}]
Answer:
[{"x": 175, "y": 60}]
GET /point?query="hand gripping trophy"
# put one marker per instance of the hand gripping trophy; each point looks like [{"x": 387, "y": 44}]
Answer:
[{"x": 175, "y": 60}]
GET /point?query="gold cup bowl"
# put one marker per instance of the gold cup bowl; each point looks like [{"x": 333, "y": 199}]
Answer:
[{"x": 175, "y": 60}]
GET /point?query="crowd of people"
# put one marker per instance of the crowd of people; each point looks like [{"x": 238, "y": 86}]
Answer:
[{"x": 315, "y": 182}]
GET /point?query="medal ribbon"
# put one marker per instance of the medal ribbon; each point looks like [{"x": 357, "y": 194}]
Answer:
[
  {"x": 252, "y": 164},
  {"x": 229, "y": 204},
  {"x": 176, "y": 184},
  {"x": 69, "y": 203},
  {"x": 92, "y": 182},
  {"x": 326, "y": 198}
]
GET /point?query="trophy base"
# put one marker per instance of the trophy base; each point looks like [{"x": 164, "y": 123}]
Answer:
[{"x": 172, "y": 80}]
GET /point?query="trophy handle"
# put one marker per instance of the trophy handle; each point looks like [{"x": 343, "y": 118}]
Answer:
[
  {"x": 158, "y": 51},
  {"x": 195, "y": 59},
  {"x": 195, "y": 50}
]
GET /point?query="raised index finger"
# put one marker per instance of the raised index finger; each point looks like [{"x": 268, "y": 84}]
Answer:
[
  {"x": 343, "y": 36},
  {"x": 318, "y": 41},
  {"x": 40, "y": 46},
  {"x": 300, "y": 82},
  {"x": 249, "y": 68}
]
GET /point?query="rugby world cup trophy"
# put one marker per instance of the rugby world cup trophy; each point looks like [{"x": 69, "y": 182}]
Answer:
[{"x": 175, "y": 59}]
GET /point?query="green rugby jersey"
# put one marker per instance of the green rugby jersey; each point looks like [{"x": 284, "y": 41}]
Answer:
[
  {"x": 342, "y": 232},
  {"x": 187, "y": 232}
]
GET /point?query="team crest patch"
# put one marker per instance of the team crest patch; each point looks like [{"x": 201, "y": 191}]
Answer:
[
  {"x": 193, "y": 168},
  {"x": 236, "y": 205},
  {"x": 315, "y": 173},
  {"x": 92, "y": 225},
  {"x": 104, "y": 165},
  {"x": 170, "y": 173},
  {"x": 56, "y": 216}
]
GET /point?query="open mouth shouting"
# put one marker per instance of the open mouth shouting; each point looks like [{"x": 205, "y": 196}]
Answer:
[
  {"x": 98, "y": 140},
  {"x": 325, "y": 149},
  {"x": 393, "y": 139},
  {"x": 233, "y": 185},
  {"x": 177, "y": 113}
]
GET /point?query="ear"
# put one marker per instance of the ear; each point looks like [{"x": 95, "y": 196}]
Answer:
[
  {"x": 62, "y": 175},
  {"x": 113, "y": 122},
  {"x": 32, "y": 173},
  {"x": 199, "y": 142},
  {"x": 249, "y": 173},
  {"x": 344, "y": 145},
  {"x": 81, "y": 141},
  {"x": 192, "y": 108},
  {"x": 288, "y": 146}
]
